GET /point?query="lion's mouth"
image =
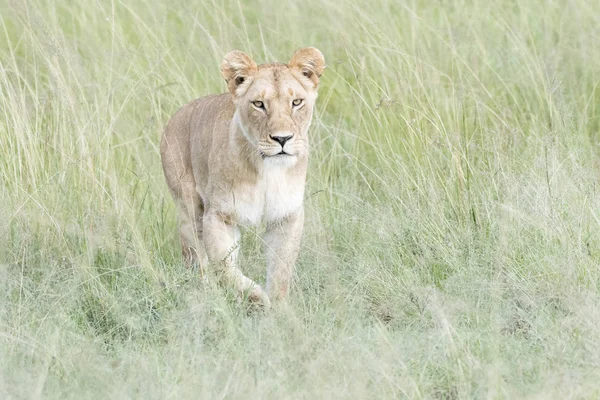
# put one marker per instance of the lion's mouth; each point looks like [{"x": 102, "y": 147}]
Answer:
[{"x": 280, "y": 154}]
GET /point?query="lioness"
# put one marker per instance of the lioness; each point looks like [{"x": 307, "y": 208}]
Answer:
[{"x": 240, "y": 158}]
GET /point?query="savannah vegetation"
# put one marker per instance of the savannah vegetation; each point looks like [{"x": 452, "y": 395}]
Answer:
[{"x": 452, "y": 239}]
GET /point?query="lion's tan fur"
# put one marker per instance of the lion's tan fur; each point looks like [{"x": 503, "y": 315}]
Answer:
[{"x": 220, "y": 159}]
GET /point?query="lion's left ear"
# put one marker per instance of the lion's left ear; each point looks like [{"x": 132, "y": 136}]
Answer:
[
  {"x": 236, "y": 68},
  {"x": 310, "y": 62}
]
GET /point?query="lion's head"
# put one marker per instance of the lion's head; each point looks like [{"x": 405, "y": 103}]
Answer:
[{"x": 274, "y": 102}]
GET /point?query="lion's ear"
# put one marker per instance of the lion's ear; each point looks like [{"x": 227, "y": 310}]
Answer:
[
  {"x": 237, "y": 67},
  {"x": 310, "y": 62}
]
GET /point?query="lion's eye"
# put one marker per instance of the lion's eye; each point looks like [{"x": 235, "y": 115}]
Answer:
[
  {"x": 297, "y": 102},
  {"x": 258, "y": 104}
]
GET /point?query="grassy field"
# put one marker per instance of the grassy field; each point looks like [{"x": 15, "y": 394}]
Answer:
[{"x": 452, "y": 243}]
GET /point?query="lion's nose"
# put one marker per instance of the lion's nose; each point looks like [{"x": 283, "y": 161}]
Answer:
[{"x": 281, "y": 139}]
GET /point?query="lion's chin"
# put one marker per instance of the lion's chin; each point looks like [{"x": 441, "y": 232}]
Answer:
[{"x": 280, "y": 160}]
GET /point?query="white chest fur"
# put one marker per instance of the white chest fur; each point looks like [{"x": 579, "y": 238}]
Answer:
[{"x": 274, "y": 197}]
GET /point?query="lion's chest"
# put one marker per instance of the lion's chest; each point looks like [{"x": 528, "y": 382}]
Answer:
[{"x": 273, "y": 198}]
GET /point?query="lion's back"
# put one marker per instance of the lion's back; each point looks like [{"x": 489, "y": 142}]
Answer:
[{"x": 189, "y": 134}]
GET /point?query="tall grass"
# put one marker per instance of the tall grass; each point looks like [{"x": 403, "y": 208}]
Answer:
[{"x": 452, "y": 243}]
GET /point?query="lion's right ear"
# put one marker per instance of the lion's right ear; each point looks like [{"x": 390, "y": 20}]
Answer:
[
  {"x": 310, "y": 62},
  {"x": 237, "y": 67}
]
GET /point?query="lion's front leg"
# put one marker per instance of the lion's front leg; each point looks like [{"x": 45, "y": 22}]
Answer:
[
  {"x": 221, "y": 239},
  {"x": 282, "y": 243}
]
